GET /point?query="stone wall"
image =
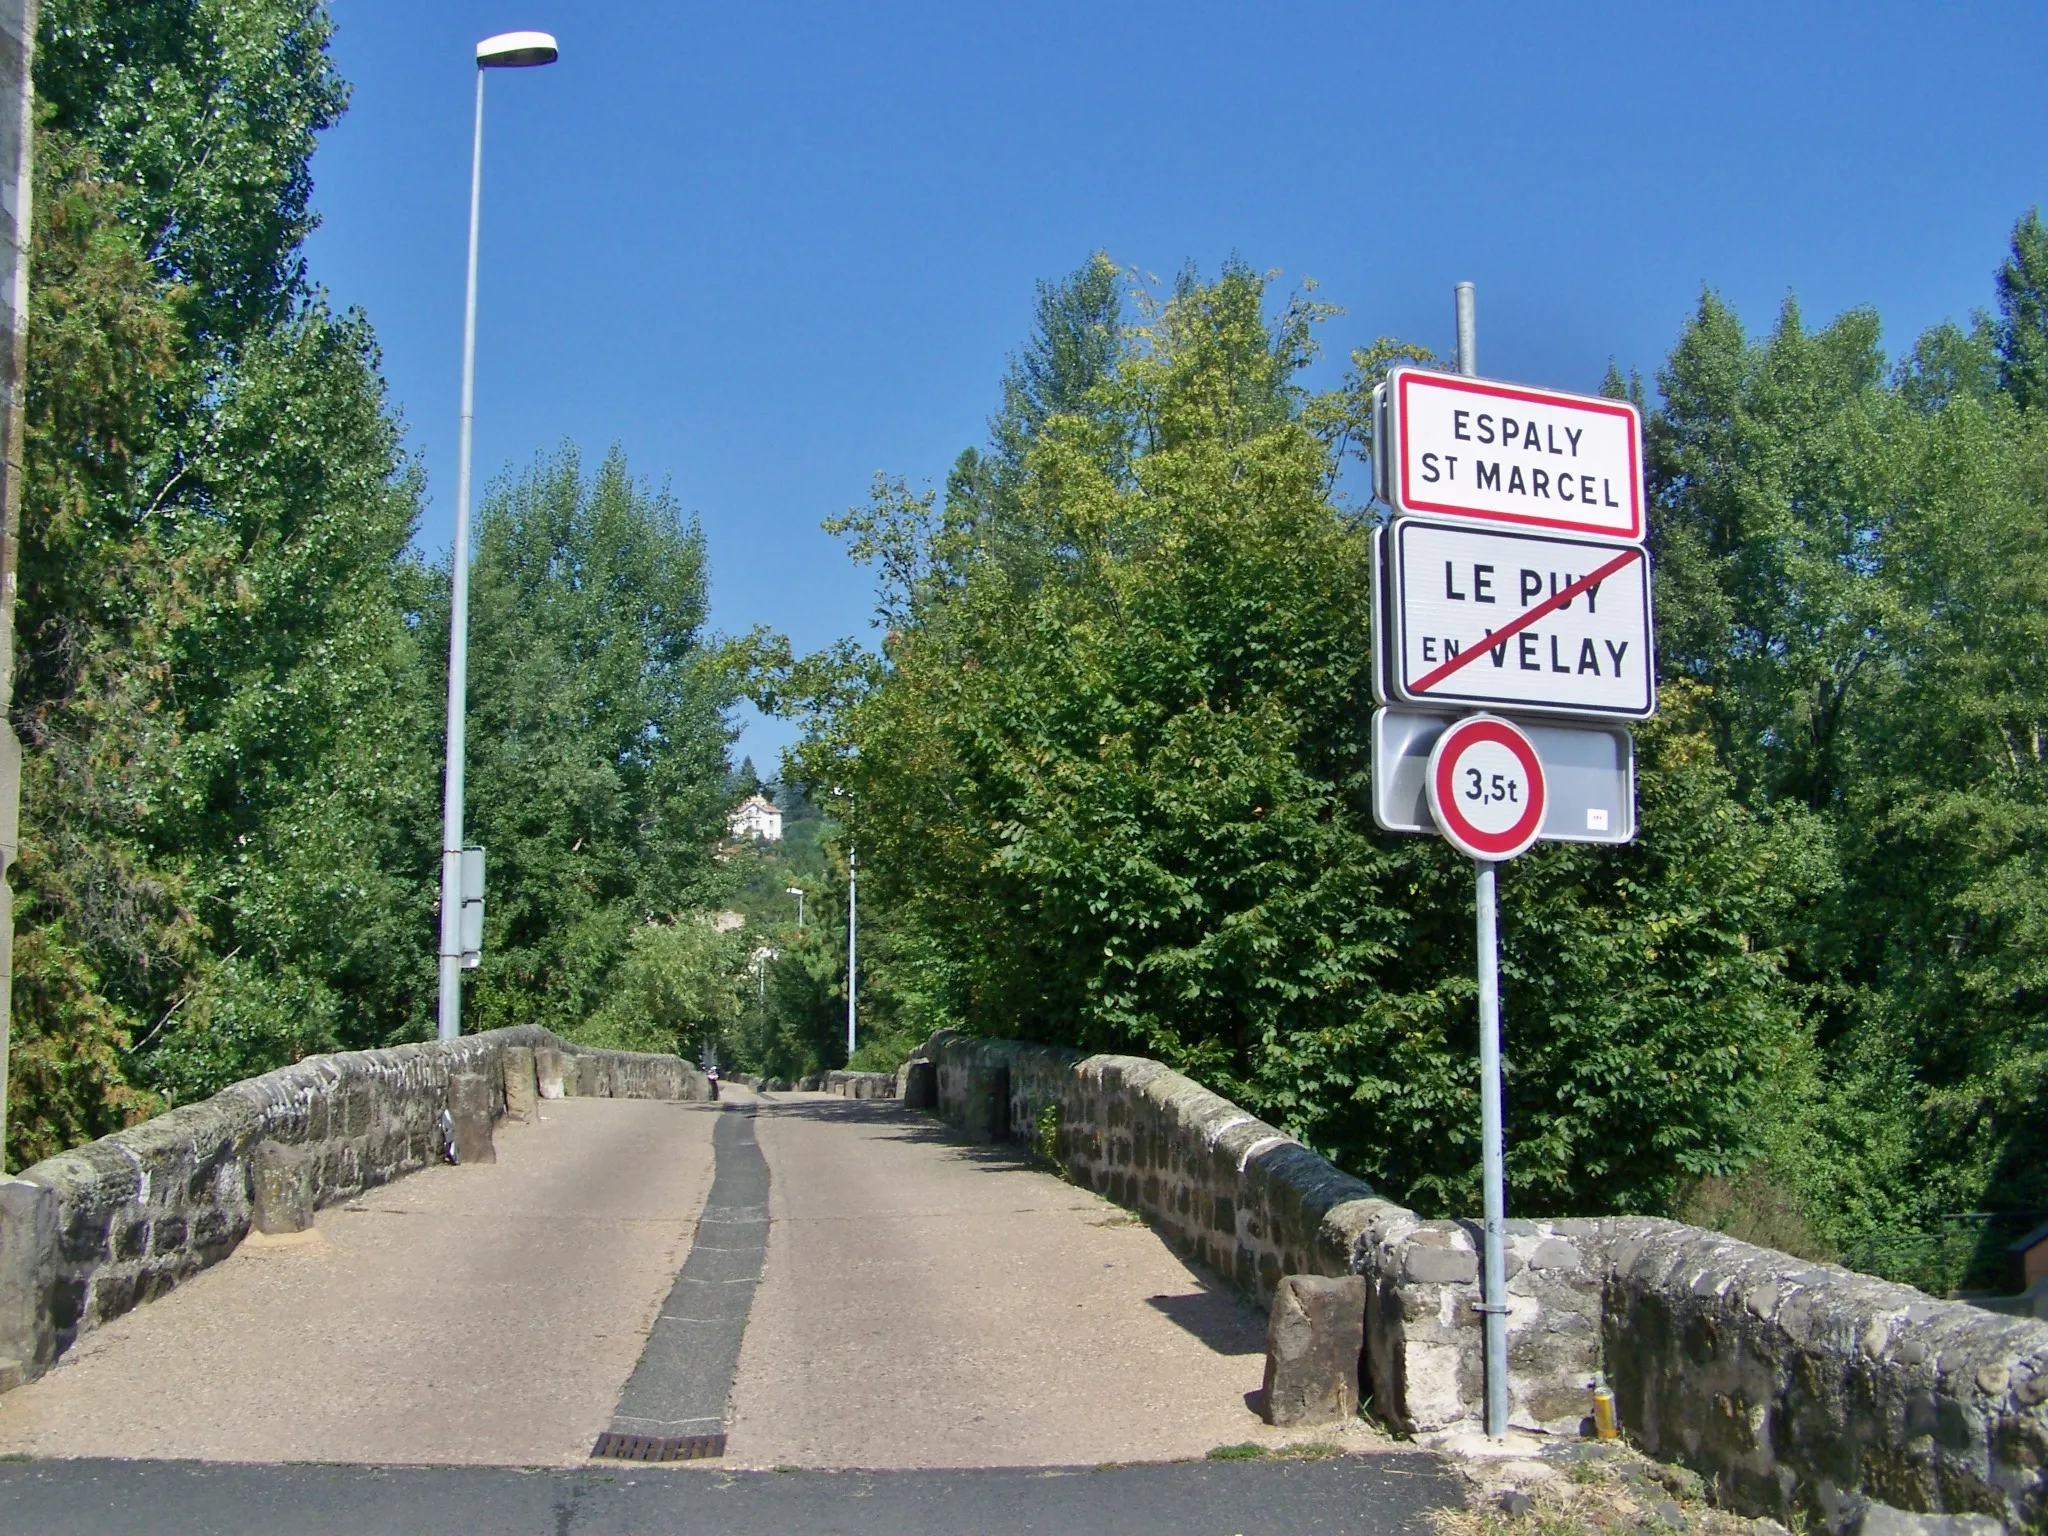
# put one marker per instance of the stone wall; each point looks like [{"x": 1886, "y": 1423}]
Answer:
[
  {"x": 90, "y": 1233},
  {"x": 1794, "y": 1388},
  {"x": 861, "y": 1085}
]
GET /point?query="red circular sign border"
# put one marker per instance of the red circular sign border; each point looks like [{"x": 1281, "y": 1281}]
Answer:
[{"x": 1519, "y": 838}]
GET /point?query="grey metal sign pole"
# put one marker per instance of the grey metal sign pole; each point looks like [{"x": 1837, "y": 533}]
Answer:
[{"x": 1493, "y": 1171}]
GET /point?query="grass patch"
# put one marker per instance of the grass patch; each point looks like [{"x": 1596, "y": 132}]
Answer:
[
  {"x": 1244, "y": 1451},
  {"x": 1311, "y": 1450}
]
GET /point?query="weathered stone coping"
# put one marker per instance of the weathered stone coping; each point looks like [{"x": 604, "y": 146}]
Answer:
[
  {"x": 1793, "y": 1387},
  {"x": 92, "y": 1232}
]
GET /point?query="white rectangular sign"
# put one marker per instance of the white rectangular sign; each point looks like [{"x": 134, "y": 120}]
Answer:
[
  {"x": 1485, "y": 618},
  {"x": 1453, "y": 447},
  {"x": 1589, "y": 776}
]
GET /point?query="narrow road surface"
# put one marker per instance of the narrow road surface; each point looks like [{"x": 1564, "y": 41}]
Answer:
[
  {"x": 944, "y": 1336},
  {"x": 486, "y": 1314},
  {"x": 932, "y": 1304}
]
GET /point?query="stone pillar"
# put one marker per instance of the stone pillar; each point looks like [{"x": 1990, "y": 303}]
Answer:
[
  {"x": 1313, "y": 1341},
  {"x": 921, "y": 1085},
  {"x": 282, "y": 1196},
  {"x": 28, "y": 1268},
  {"x": 469, "y": 1105},
  {"x": 556, "y": 1071},
  {"x": 17, "y": 143},
  {"x": 988, "y": 1104},
  {"x": 522, "y": 1090}
]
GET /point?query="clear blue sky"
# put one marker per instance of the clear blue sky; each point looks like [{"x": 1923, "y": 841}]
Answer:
[{"x": 772, "y": 249}]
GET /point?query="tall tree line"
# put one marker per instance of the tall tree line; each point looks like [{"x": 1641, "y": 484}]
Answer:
[
  {"x": 1111, "y": 770},
  {"x": 231, "y": 657}
]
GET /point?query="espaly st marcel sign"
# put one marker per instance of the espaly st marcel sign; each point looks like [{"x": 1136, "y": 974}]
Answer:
[{"x": 1451, "y": 448}]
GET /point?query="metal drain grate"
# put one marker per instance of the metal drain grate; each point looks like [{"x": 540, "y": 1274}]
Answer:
[{"x": 614, "y": 1446}]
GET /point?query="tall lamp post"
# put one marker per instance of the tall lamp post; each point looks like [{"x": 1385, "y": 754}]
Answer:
[
  {"x": 798, "y": 892},
  {"x": 852, "y": 933},
  {"x": 508, "y": 50}
]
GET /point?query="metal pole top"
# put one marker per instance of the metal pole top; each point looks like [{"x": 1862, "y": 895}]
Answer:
[{"x": 1468, "y": 329}]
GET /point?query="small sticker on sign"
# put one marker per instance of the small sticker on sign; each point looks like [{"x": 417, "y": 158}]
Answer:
[{"x": 1596, "y": 818}]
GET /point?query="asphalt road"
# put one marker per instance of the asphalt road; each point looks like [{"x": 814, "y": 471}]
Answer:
[
  {"x": 486, "y": 1315},
  {"x": 923, "y": 1304},
  {"x": 1373, "y": 1495},
  {"x": 441, "y": 1354}
]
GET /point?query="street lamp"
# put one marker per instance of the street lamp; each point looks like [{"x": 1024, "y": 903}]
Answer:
[
  {"x": 852, "y": 928},
  {"x": 508, "y": 50},
  {"x": 798, "y": 892}
]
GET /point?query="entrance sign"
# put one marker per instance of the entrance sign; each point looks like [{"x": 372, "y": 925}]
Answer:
[
  {"x": 1487, "y": 618},
  {"x": 1589, "y": 776},
  {"x": 1486, "y": 788},
  {"x": 1511, "y": 576},
  {"x": 1459, "y": 447}
]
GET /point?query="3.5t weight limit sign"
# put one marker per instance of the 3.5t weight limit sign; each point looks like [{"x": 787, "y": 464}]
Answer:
[
  {"x": 1486, "y": 788},
  {"x": 1489, "y": 619}
]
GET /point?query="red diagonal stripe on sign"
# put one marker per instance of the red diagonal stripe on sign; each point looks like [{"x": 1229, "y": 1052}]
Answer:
[{"x": 1557, "y": 600}]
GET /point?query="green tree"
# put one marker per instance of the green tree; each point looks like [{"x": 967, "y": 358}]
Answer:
[
  {"x": 597, "y": 764},
  {"x": 208, "y": 111},
  {"x": 1119, "y": 799},
  {"x": 2023, "y": 313},
  {"x": 227, "y": 787},
  {"x": 1852, "y": 556},
  {"x": 678, "y": 987}
]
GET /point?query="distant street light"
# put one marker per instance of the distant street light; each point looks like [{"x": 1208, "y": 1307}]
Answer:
[
  {"x": 508, "y": 50},
  {"x": 852, "y": 929},
  {"x": 798, "y": 892}
]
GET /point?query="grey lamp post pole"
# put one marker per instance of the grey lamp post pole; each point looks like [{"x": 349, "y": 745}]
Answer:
[
  {"x": 852, "y": 931},
  {"x": 798, "y": 892},
  {"x": 509, "y": 50}
]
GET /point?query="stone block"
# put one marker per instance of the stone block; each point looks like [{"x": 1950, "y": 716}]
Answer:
[
  {"x": 555, "y": 1071},
  {"x": 1314, "y": 1339},
  {"x": 28, "y": 1266},
  {"x": 522, "y": 1087},
  {"x": 988, "y": 1106},
  {"x": 1883, "y": 1520},
  {"x": 281, "y": 1188},
  {"x": 469, "y": 1106},
  {"x": 920, "y": 1085},
  {"x": 1554, "y": 1254},
  {"x": 1437, "y": 1263}
]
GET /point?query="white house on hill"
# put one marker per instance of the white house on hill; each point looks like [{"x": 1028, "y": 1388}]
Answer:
[{"x": 756, "y": 816}]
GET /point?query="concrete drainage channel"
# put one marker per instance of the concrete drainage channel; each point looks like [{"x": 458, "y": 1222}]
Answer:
[{"x": 674, "y": 1405}]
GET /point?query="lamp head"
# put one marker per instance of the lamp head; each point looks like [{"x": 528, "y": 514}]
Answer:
[{"x": 516, "y": 50}]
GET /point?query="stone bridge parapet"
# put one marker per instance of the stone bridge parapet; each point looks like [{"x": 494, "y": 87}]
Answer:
[
  {"x": 92, "y": 1232},
  {"x": 1795, "y": 1388}
]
